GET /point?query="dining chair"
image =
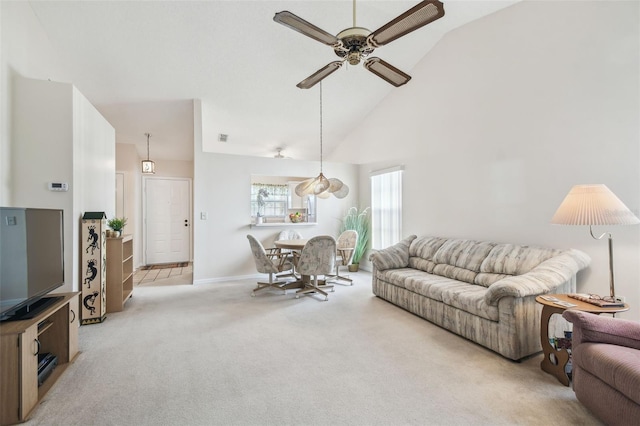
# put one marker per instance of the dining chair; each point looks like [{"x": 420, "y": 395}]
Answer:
[
  {"x": 270, "y": 261},
  {"x": 346, "y": 246},
  {"x": 317, "y": 258},
  {"x": 289, "y": 234}
]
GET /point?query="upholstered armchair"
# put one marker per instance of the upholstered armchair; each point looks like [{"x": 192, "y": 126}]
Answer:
[{"x": 606, "y": 366}]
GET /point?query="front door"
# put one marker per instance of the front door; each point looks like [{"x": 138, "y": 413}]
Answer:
[{"x": 167, "y": 212}]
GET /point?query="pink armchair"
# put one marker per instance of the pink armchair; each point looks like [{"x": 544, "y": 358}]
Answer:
[{"x": 606, "y": 366}]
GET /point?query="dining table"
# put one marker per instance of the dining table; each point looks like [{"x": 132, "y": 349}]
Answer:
[{"x": 297, "y": 245}]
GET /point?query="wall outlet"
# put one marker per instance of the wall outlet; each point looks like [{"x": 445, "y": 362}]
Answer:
[{"x": 620, "y": 299}]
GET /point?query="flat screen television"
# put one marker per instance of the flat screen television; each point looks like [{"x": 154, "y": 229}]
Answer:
[{"x": 31, "y": 259}]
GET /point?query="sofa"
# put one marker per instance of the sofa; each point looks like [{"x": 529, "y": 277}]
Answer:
[
  {"x": 483, "y": 291},
  {"x": 606, "y": 366}
]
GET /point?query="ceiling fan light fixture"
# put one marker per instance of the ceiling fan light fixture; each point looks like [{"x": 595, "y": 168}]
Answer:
[{"x": 356, "y": 43}]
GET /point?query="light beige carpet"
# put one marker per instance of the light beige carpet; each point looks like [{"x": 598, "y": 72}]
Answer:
[{"x": 212, "y": 355}]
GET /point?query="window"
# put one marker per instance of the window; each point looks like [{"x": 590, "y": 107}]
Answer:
[
  {"x": 386, "y": 207},
  {"x": 269, "y": 199}
]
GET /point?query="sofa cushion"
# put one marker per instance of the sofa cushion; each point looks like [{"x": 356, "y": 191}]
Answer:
[
  {"x": 461, "y": 259},
  {"x": 617, "y": 366},
  {"x": 422, "y": 251},
  {"x": 396, "y": 256},
  {"x": 511, "y": 259},
  {"x": 398, "y": 277},
  {"x": 422, "y": 264},
  {"x": 470, "y": 298},
  {"x": 467, "y": 297},
  {"x": 425, "y": 247},
  {"x": 455, "y": 273},
  {"x": 486, "y": 279},
  {"x": 467, "y": 254}
]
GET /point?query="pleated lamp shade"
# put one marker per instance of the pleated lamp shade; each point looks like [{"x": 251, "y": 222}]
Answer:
[{"x": 593, "y": 205}]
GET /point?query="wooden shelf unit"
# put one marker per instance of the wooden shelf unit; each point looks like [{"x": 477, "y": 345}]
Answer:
[
  {"x": 119, "y": 272},
  {"x": 54, "y": 330}
]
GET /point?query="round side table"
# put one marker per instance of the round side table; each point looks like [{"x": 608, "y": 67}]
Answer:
[{"x": 556, "y": 365}]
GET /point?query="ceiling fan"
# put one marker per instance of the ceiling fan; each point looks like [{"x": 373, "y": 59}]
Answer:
[
  {"x": 356, "y": 43},
  {"x": 279, "y": 153}
]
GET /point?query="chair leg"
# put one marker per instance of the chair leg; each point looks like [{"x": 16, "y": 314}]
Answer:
[
  {"x": 337, "y": 277},
  {"x": 314, "y": 288},
  {"x": 271, "y": 284}
]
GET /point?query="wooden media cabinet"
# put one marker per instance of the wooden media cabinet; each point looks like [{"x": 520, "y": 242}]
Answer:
[{"x": 55, "y": 331}]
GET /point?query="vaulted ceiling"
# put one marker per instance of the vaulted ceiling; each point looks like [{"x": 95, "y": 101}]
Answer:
[{"x": 141, "y": 63}]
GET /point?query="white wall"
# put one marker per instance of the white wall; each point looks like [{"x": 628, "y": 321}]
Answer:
[
  {"x": 222, "y": 187},
  {"x": 58, "y": 136},
  {"x": 26, "y": 51},
  {"x": 128, "y": 163},
  {"x": 42, "y": 148},
  {"x": 504, "y": 116}
]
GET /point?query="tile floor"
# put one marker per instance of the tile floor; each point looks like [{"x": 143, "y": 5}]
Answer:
[{"x": 169, "y": 276}]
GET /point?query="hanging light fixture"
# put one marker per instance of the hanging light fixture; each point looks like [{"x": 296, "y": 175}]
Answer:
[
  {"x": 148, "y": 166},
  {"x": 321, "y": 186}
]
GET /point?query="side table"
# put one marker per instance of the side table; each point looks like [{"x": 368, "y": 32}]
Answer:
[{"x": 556, "y": 365}]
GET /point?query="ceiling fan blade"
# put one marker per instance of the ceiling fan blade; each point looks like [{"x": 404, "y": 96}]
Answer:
[
  {"x": 323, "y": 72},
  {"x": 414, "y": 18},
  {"x": 387, "y": 72},
  {"x": 298, "y": 24}
]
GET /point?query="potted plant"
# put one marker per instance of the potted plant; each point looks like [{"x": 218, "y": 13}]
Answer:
[
  {"x": 117, "y": 225},
  {"x": 359, "y": 222},
  {"x": 262, "y": 194}
]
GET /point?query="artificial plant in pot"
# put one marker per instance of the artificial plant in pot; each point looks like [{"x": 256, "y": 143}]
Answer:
[
  {"x": 117, "y": 225},
  {"x": 359, "y": 222}
]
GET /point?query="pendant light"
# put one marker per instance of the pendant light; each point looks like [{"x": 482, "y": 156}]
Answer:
[
  {"x": 321, "y": 186},
  {"x": 148, "y": 166}
]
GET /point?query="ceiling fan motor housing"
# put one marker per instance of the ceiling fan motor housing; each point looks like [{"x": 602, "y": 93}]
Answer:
[{"x": 353, "y": 44}]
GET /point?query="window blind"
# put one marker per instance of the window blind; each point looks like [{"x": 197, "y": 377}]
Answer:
[{"x": 386, "y": 207}]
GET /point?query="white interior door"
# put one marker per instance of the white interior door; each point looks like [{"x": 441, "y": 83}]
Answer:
[{"x": 167, "y": 211}]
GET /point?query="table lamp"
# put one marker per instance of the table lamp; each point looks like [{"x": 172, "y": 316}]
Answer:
[{"x": 595, "y": 205}]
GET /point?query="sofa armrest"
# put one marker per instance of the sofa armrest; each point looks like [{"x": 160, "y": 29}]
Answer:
[
  {"x": 393, "y": 257},
  {"x": 542, "y": 279},
  {"x": 589, "y": 327}
]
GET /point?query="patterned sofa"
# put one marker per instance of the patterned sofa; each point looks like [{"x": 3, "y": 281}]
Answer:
[{"x": 482, "y": 291}]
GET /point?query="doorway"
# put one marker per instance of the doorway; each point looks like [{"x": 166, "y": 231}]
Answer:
[{"x": 166, "y": 212}]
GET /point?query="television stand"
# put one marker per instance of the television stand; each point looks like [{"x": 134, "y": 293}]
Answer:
[
  {"x": 34, "y": 309},
  {"x": 53, "y": 330}
]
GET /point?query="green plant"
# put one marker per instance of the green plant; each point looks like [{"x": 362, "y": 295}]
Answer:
[
  {"x": 359, "y": 222},
  {"x": 117, "y": 223}
]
